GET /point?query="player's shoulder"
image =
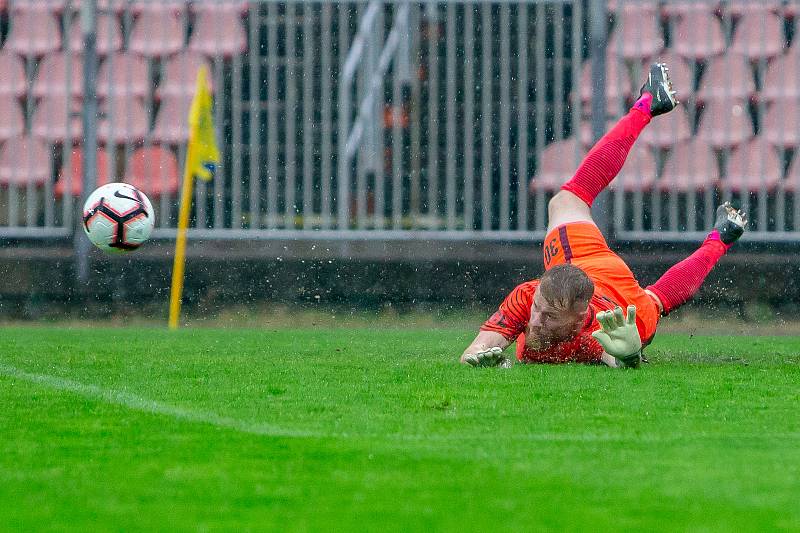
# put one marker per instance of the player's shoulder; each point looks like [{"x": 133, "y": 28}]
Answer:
[{"x": 528, "y": 286}]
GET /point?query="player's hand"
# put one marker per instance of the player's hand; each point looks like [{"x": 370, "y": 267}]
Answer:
[
  {"x": 619, "y": 336},
  {"x": 489, "y": 357}
]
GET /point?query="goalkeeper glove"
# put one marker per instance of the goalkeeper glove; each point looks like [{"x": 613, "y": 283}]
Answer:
[
  {"x": 619, "y": 336},
  {"x": 490, "y": 357}
]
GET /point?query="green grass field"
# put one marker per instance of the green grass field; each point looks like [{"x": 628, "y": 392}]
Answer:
[{"x": 335, "y": 429}]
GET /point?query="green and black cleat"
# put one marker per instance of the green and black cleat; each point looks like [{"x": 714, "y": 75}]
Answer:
[
  {"x": 730, "y": 223},
  {"x": 659, "y": 86}
]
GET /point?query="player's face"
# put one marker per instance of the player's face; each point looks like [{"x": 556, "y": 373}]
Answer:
[{"x": 552, "y": 324}]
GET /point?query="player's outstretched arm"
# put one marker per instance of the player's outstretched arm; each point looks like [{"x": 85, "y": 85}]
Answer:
[
  {"x": 619, "y": 337},
  {"x": 486, "y": 350}
]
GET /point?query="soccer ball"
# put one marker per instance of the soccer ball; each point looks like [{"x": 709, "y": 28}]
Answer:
[{"x": 118, "y": 217}]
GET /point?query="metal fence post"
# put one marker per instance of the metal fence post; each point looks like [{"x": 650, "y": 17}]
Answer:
[
  {"x": 598, "y": 20},
  {"x": 81, "y": 244}
]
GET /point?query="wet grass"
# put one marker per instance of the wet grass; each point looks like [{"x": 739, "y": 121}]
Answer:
[{"x": 374, "y": 429}]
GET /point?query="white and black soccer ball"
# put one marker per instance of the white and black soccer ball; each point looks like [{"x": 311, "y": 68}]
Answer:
[{"x": 118, "y": 217}]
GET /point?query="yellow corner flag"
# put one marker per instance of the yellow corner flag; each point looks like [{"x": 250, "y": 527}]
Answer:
[{"x": 202, "y": 156}]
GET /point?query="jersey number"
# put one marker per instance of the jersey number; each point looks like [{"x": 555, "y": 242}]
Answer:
[{"x": 550, "y": 251}]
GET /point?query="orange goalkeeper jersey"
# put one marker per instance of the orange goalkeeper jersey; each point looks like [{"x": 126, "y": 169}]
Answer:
[{"x": 513, "y": 316}]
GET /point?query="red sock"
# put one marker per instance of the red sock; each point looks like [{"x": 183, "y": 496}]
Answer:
[
  {"x": 682, "y": 281},
  {"x": 605, "y": 159}
]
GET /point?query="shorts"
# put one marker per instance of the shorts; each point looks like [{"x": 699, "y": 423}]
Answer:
[{"x": 582, "y": 244}]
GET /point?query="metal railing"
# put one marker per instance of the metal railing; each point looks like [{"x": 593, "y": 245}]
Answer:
[{"x": 399, "y": 119}]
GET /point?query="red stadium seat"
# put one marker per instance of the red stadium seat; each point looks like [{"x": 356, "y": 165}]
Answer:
[
  {"x": 172, "y": 120},
  {"x": 33, "y": 33},
  {"x": 727, "y": 78},
  {"x": 725, "y": 124},
  {"x": 782, "y": 80},
  {"x": 782, "y": 124},
  {"x": 752, "y": 167},
  {"x": 698, "y": 37},
  {"x": 637, "y": 33},
  {"x": 109, "y": 35},
  {"x": 216, "y": 6},
  {"x": 123, "y": 74},
  {"x": 54, "y": 71},
  {"x": 154, "y": 170},
  {"x": 52, "y": 6},
  {"x": 124, "y": 120},
  {"x": 749, "y": 8},
  {"x": 157, "y": 33},
  {"x": 683, "y": 8},
  {"x": 218, "y": 33},
  {"x": 172, "y": 7},
  {"x": 557, "y": 164},
  {"x": 13, "y": 81},
  {"x": 76, "y": 166},
  {"x": 672, "y": 128},
  {"x": 179, "y": 77},
  {"x": 56, "y": 120},
  {"x": 691, "y": 166},
  {"x": 13, "y": 123},
  {"x": 24, "y": 160},
  {"x": 639, "y": 171},
  {"x": 759, "y": 36}
]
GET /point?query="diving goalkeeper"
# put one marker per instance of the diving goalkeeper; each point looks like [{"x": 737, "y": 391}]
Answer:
[{"x": 574, "y": 312}]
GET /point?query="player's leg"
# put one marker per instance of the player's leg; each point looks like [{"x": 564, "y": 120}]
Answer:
[
  {"x": 682, "y": 281},
  {"x": 605, "y": 159}
]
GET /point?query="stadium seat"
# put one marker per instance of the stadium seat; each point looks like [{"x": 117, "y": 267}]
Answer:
[
  {"x": 682, "y": 8},
  {"x": 725, "y": 124},
  {"x": 557, "y": 163},
  {"x": 759, "y": 37},
  {"x": 218, "y": 33},
  {"x": 215, "y": 6},
  {"x": 76, "y": 164},
  {"x": 781, "y": 125},
  {"x": 637, "y": 33},
  {"x": 52, "y": 6},
  {"x": 179, "y": 76},
  {"x": 749, "y": 8},
  {"x": 123, "y": 120},
  {"x": 639, "y": 171},
  {"x": 172, "y": 7},
  {"x": 33, "y": 33},
  {"x": 13, "y": 81},
  {"x": 56, "y": 120},
  {"x": 671, "y": 128},
  {"x": 54, "y": 71},
  {"x": 157, "y": 33},
  {"x": 123, "y": 74},
  {"x": 753, "y": 166},
  {"x": 729, "y": 77},
  {"x": 24, "y": 160},
  {"x": 691, "y": 166},
  {"x": 698, "y": 37},
  {"x": 107, "y": 6},
  {"x": 109, "y": 35},
  {"x": 172, "y": 120},
  {"x": 782, "y": 80},
  {"x": 154, "y": 170},
  {"x": 13, "y": 123}
]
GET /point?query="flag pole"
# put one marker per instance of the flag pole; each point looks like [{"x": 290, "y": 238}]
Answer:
[
  {"x": 176, "y": 291},
  {"x": 202, "y": 155}
]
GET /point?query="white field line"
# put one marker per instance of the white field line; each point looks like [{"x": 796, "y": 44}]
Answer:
[{"x": 144, "y": 405}]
